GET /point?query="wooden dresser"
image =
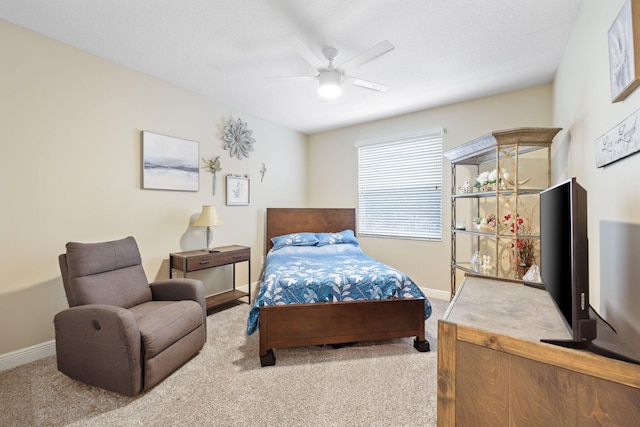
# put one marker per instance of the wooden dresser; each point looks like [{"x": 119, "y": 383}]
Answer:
[{"x": 494, "y": 371}]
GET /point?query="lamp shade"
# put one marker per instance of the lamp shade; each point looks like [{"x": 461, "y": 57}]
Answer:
[
  {"x": 330, "y": 84},
  {"x": 208, "y": 217}
]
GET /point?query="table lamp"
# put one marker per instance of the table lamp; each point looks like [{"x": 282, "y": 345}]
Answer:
[{"x": 208, "y": 218}]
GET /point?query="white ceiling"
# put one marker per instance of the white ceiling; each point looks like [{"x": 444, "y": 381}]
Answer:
[{"x": 445, "y": 51}]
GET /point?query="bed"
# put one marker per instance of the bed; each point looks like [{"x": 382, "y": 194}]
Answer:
[{"x": 342, "y": 320}]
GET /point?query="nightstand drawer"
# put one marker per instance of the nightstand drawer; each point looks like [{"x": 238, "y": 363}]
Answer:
[
  {"x": 235, "y": 256},
  {"x": 201, "y": 262},
  {"x": 214, "y": 259}
]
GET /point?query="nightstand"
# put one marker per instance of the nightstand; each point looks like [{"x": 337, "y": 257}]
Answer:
[{"x": 190, "y": 261}]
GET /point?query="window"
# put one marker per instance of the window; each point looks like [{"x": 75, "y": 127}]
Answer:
[{"x": 400, "y": 187}]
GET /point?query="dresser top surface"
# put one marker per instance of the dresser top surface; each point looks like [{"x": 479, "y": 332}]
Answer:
[{"x": 507, "y": 308}]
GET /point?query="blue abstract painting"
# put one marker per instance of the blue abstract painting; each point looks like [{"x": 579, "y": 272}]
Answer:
[{"x": 169, "y": 163}]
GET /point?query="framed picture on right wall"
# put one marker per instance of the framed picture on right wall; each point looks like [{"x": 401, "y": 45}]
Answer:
[{"x": 624, "y": 41}]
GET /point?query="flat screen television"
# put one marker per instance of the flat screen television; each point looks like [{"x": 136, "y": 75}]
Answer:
[
  {"x": 564, "y": 268},
  {"x": 564, "y": 255}
]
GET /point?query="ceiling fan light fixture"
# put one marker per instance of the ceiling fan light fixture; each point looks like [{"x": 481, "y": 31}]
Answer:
[{"x": 329, "y": 87}]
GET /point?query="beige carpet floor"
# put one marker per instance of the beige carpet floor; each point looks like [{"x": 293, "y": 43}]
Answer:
[{"x": 385, "y": 383}]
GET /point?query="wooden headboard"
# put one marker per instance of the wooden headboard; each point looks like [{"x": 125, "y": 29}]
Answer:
[{"x": 316, "y": 220}]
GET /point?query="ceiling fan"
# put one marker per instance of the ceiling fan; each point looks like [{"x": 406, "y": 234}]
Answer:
[{"x": 331, "y": 77}]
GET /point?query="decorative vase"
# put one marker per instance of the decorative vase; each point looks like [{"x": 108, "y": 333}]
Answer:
[
  {"x": 214, "y": 184},
  {"x": 483, "y": 228},
  {"x": 522, "y": 269}
]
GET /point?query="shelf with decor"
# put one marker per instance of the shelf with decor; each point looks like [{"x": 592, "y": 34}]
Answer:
[
  {"x": 494, "y": 193},
  {"x": 495, "y": 183}
]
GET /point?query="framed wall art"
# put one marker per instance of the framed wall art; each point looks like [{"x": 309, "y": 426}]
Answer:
[
  {"x": 238, "y": 191},
  {"x": 619, "y": 142},
  {"x": 624, "y": 41},
  {"x": 169, "y": 163}
]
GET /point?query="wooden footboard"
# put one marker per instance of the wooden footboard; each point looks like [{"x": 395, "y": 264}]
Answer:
[{"x": 297, "y": 325}]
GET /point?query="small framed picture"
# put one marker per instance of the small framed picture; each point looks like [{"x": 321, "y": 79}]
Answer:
[
  {"x": 238, "y": 191},
  {"x": 624, "y": 40}
]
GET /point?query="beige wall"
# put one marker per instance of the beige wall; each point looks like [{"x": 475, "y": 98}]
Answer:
[
  {"x": 71, "y": 171},
  {"x": 582, "y": 105},
  {"x": 333, "y": 169}
]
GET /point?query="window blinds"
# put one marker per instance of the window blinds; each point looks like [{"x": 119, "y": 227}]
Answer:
[{"x": 400, "y": 187}]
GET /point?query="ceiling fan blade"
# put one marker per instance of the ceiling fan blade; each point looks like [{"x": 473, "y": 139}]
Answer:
[
  {"x": 366, "y": 84},
  {"x": 298, "y": 78},
  {"x": 368, "y": 55},
  {"x": 307, "y": 54}
]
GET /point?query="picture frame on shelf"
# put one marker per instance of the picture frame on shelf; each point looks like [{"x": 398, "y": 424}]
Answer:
[
  {"x": 624, "y": 40},
  {"x": 238, "y": 190},
  {"x": 170, "y": 163}
]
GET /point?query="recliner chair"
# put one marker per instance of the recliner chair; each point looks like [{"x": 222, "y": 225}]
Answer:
[{"x": 121, "y": 332}]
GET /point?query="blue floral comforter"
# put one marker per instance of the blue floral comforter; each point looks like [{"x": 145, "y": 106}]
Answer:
[{"x": 308, "y": 274}]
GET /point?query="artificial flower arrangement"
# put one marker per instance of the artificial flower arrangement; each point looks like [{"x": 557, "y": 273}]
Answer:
[
  {"x": 489, "y": 219},
  {"x": 486, "y": 223},
  {"x": 523, "y": 249},
  {"x": 213, "y": 166},
  {"x": 487, "y": 178}
]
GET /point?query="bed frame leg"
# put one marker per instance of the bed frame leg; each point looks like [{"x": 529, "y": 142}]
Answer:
[
  {"x": 421, "y": 346},
  {"x": 270, "y": 359}
]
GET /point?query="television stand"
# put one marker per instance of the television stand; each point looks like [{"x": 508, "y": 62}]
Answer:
[
  {"x": 593, "y": 347},
  {"x": 606, "y": 342},
  {"x": 577, "y": 345},
  {"x": 587, "y": 329}
]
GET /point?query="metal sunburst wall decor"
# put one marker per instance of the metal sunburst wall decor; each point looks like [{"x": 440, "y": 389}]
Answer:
[{"x": 238, "y": 139}]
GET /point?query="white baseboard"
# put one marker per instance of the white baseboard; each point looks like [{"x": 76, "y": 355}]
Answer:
[
  {"x": 27, "y": 355},
  {"x": 254, "y": 289},
  {"x": 437, "y": 294}
]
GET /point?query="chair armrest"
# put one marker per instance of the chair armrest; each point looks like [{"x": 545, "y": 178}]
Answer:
[
  {"x": 99, "y": 323},
  {"x": 100, "y": 345},
  {"x": 177, "y": 290},
  {"x": 180, "y": 289}
]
